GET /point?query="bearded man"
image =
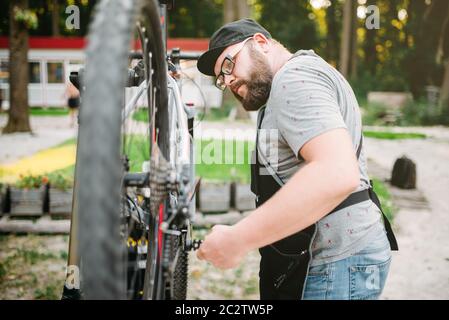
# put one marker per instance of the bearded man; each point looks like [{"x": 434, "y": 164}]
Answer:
[{"x": 318, "y": 225}]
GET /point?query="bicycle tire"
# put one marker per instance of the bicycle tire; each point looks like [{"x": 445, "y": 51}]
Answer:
[{"x": 99, "y": 168}]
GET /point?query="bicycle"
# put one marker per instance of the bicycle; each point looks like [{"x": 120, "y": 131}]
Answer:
[{"x": 131, "y": 228}]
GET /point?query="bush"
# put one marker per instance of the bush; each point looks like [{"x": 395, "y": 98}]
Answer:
[
  {"x": 31, "y": 181},
  {"x": 416, "y": 113},
  {"x": 374, "y": 114},
  {"x": 60, "y": 182},
  {"x": 422, "y": 114}
]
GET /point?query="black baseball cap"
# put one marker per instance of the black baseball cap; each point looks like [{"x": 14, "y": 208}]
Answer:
[{"x": 231, "y": 33}]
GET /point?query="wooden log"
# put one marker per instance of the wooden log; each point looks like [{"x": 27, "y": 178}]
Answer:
[{"x": 43, "y": 225}]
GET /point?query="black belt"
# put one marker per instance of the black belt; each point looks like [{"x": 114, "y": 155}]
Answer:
[{"x": 353, "y": 199}]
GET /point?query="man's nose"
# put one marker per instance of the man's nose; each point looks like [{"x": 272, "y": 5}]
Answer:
[{"x": 229, "y": 79}]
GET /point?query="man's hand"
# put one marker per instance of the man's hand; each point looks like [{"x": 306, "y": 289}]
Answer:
[{"x": 222, "y": 248}]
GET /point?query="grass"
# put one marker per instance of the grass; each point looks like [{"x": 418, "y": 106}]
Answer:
[
  {"x": 385, "y": 198},
  {"x": 68, "y": 142},
  {"x": 141, "y": 115},
  {"x": 393, "y": 135},
  {"x": 209, "y": 155},
  {"x": 39, "y": 111},
  {"x": 215, "y": 114},
  {"x": 32, "y": 267}
]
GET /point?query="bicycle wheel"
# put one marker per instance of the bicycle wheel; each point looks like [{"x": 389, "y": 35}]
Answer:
[{"x": 102, "y": 141}]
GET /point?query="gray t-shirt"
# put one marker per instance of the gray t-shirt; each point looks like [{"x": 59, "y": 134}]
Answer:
[{"x": 308, "y": 98}]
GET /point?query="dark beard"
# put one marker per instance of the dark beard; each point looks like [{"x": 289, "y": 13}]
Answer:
[{"x": 258, "y": 85}]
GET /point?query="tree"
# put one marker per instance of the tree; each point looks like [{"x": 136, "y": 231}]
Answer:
[
  {"x": 444, "y": 45},
  {"x": 349, "y": 39},
  {"x": 20, "y": 19},
  {"x": 291, "y": 22},
  {"x": 235, "y": 10},
  {"x": 369, "y": 48},
  {"x": 333, "y": 26},
  {"x": 423, "y": 63},
  {"x": 55, "y": 17},
  {"x": 195, "y": 18}
]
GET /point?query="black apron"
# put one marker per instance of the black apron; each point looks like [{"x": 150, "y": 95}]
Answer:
[{"x": 284, "y": 265}]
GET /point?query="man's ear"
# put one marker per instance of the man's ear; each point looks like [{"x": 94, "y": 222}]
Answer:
[{"x": 262, "y": 42}]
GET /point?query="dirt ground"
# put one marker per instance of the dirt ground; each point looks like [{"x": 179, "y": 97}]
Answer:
[
  {"x": 420, "y": 270},
  {"x": 32, "y": 267}
]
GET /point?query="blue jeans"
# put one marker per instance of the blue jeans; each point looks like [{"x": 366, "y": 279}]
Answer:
[{"x": 362, "y": 276}]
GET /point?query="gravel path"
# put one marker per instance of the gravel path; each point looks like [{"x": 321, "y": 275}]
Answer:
[
  {"x": 420, "y": 270},
  {"x": 47, "y": 132}
]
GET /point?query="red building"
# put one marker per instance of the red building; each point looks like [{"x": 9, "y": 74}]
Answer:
[{"x": 51, "y": 59}]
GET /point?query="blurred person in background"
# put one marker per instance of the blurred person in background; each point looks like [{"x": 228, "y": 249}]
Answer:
[{"x": 73, "y": 101}]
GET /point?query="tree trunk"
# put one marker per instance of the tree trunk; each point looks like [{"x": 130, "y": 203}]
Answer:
[
  {"x": 55, "y": 18},
  {"x": 423, "y": 62},
  {"x": 369, "y": 48},
  {"x": 354, "y": 42},
  {"x": 445, "y": 88},
  {"x": 235, "y": 10},
  {"x": 345, "y": 49},
  {"x": 332, "y": 34},
  {"x": 18, "y": 120},
  {"x": 229, "y": 11},
  {"x": 444, "y": 43}
]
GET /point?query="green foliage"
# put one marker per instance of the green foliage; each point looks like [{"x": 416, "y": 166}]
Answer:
[
  {"x": 290, "y": 22},
  {"x": 413, "y": 114},
  {"x": 422, "y": 114},
  {"x": 60, "y": 181},
  {"x": 31, "y": 181},
  {"x": 50, "y": 292},
  {"x": 374, "y": 114},
  {"x": 31, "y": 256},
  {"x": 393, "y": 135},
  {"x": 385, "y": 199},
  {"x": 141, "y": 115},
  {"x": 38, "y": 111},
  {"x": 384, "y": 79},
  {"x": 27, "y": 18},
  {"x": 195, "y": 18},
  {"x": 223, "y": 160},
  {"x": 217, "y": 114},
  {"x": 43, "y": 10}
]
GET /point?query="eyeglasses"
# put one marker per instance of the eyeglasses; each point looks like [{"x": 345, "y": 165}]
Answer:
[{"x": 227, "y": 67}]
